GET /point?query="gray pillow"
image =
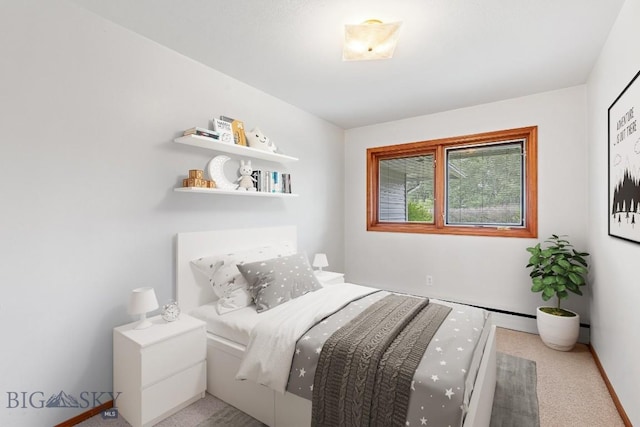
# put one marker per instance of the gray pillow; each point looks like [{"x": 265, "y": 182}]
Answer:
[
  {"x": 278, "y": 280},
  {"x": 228, "y": 284}
]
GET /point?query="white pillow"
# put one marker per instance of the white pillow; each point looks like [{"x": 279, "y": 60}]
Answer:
[{"x": 225, "y": 279}]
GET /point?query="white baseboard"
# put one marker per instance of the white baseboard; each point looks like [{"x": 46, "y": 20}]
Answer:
[{"x": 526, "y": 324}]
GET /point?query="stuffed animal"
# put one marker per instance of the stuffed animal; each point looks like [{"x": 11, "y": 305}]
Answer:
[
  {"x": 260, "y": 141},
  {"x": 246, "y": 180}
]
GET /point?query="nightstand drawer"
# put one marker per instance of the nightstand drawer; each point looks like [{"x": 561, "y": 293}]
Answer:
[
  {"x": 173, "y": 391},
  {"x": 165, "y": 358}
]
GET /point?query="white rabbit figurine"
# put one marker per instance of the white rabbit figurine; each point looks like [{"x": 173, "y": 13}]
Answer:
[{"x": 246, "y": 180}]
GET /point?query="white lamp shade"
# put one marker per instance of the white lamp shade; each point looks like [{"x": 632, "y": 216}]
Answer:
[
  {"x": 320, "y": 260},
  {"x": 370, "y": 40},
  {"x": 142, "y": 301}
]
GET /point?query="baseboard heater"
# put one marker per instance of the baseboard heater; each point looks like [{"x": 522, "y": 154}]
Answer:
[{"x": 522, "y": 322}]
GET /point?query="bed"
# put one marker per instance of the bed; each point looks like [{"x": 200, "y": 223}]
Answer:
[{"x": 227, "y": 340}]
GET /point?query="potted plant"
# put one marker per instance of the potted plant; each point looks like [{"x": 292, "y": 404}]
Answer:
[{"x": 557, "y": 269}]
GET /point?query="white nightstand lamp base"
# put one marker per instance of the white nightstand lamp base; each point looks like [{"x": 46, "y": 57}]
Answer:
[{"x": 143, "y": 323}]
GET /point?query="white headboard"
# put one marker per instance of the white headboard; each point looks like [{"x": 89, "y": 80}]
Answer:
[{"x": 191, "y": 290}]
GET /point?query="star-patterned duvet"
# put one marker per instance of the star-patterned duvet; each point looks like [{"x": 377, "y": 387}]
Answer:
[{"x": 443, "y": 381}]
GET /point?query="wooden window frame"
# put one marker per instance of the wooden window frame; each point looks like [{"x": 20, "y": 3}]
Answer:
[{"x": 437, "y": 146}]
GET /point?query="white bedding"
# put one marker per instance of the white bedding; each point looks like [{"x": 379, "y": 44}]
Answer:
[
  {"x": 235, "y": 326},
  {"x": 268, "y": 356}
]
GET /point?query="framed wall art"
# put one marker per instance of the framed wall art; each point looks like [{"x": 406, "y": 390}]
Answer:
[{"x": 624, "y": 163}]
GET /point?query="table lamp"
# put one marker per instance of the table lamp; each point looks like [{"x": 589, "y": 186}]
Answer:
[
  {"x": 142, "y": 301},
  {"x": 320, "y": 260}
]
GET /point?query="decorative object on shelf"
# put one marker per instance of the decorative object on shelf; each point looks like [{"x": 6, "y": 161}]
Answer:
[
  {"x": 370, "y": 40},
  {"x": 556, "y": 270},
  {"x": 170, "y": 311},
  {"x": 269, "y": 183},
  {"x": 215, "y": 145},
  {"x": 319, "y": 261},
  {"x": 286, "y": 183},
  {"x": 224, "y": 130},
  {"x": 216, "y": 173},
  {"x": 142, "y": 301},
  {"x": 272, "y": 181},
  {"x": 246, "y": 179},
  {"x": 237, "y": 129},
  {"x": 624, "y": 163},
  {"x": 202, "y": 132},
  {"x": 199, "y": 183},
  {"x": 196, "y": 173},
  {"x": 260, "y": 141},
  {"x": 196, "y": 179}
]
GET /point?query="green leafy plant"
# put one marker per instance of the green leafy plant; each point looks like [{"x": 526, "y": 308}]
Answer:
[
  {"x": 419, "y": 211},
  {"x": 557, "y": 269}
]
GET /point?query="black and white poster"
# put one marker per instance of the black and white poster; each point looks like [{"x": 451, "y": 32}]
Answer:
[{"x": 624, "y": 163}]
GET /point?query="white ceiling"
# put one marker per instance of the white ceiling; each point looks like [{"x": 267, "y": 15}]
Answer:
[{"x": 451, "y": 53}]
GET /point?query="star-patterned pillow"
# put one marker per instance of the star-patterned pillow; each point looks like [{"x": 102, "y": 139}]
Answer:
[
  {"x": 226, "y": 281},
  {"x": 275, "y": 281}
]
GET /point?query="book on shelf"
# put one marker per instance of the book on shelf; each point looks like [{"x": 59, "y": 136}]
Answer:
[
  {"x": 268, "y": 181},
  {"x": 286, "y": 183},
  {"x": 237, "y": 129},
  {"x": 224, "y": 129},
  {"x": 202, "y": 132},
  {"x": 272, "y": 181},
  {"x": 257, "y": 179}
]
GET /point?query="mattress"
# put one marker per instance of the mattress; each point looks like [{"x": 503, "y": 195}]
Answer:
[{"x": 235, "y": 326}]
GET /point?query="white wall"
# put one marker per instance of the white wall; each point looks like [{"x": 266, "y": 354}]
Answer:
[
  {"x": 616, "y": 291},
  {"x": 88, "y": 112},
  {"x": 486, "y": 271}
]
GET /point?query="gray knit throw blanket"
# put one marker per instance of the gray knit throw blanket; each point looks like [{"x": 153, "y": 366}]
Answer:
[{"x": 366, "y": 367}]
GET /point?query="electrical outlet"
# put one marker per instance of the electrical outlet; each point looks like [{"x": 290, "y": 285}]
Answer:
[{"x": 429, "y": 280}]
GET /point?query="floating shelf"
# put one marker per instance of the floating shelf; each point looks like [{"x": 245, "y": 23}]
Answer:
[
  {"x": 232, "y": 192},
  {"x": 240, "y": 150}
]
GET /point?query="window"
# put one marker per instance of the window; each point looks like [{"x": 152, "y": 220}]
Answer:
[
  {"x": 406, "y": 189},
  {"x": 483, "y": 184}
]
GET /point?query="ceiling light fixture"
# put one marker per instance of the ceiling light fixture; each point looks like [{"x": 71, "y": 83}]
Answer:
[{"x": 370, "y": 40}]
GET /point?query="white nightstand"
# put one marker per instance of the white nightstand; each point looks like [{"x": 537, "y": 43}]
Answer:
[
  {"x": 158, "y": 370},
  {"x": 329, "y": 277}
]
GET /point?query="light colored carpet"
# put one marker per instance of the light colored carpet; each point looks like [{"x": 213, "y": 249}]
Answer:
[
  {"x": 230, "y": 417},
  {"x": 515, "y": 403},
  {"x": 190, "y": 416},
  {"x": 570, "y": 390}
]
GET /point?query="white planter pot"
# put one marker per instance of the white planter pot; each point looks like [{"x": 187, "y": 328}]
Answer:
[{"x": 557, "y": 332}]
